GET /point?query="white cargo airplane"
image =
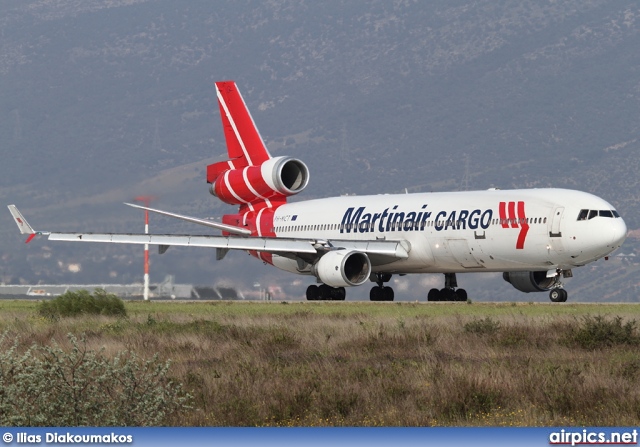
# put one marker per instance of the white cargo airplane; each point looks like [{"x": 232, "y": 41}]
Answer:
[{"x": 533, "y": 236}]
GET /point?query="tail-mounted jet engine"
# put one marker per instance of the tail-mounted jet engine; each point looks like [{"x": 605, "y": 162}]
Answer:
[
  {"x": 530, "y": 281},
  {"x": 276, "y": 177},
  {"x": 343, "y": 268}
]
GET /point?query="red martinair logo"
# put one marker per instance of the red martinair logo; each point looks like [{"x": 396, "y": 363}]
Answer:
[{"x": 512, "y": 216}]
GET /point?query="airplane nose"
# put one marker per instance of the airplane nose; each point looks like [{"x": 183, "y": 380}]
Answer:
[{"x": 618, "y": 232}]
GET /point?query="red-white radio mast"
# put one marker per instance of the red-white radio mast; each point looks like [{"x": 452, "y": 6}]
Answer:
[{"x": 145, "y": 201}]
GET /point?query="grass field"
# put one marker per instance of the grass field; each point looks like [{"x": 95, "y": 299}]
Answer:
[{"x": 375, "y": 364}]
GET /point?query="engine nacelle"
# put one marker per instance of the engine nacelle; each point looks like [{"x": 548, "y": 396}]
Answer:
[
  {"x": 530, "y": 281},
  {"x": 343, "y": 268},
  {"x": 276, "y": 177}
]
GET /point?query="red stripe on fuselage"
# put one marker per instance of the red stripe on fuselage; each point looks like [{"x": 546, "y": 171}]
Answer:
[
  {"x": 514, "y": 220},
  {"x": 524, "y": 226},
  {"x": 262, "y": 226}
]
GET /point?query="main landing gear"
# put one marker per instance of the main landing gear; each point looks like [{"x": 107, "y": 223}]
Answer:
[
  {"x": 325, "y": 293},
  {"x": 449, "y": 293},
  {"x": 381, "y": 292}
]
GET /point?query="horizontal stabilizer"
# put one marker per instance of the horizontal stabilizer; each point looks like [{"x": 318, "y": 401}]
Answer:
[{"x": 207, "y": 223}]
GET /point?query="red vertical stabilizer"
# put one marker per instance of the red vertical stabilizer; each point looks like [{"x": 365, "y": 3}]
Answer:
[
  {"x": 244, "y": 143},
  {"x": 251, "y": 178}
]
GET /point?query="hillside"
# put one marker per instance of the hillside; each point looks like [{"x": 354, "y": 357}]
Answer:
[{"x": 105, "y": 100}]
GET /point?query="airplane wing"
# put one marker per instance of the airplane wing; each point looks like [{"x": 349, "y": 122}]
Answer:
[{"x": 380, "y": 252}]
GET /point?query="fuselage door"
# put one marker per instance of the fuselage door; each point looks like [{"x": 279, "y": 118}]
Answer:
[
  {"x": 555, "y": 232},
  {"x": 461, "y": 252}
]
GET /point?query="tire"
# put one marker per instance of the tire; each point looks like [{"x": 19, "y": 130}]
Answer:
[
  {"x": 461, "y": 295},
  {"x": 338, "y": 293},
  {"x": 447, "y": 294},
  {"x": 557, "y": 295},
  {"x": 325, "y": 292},
  {"x": 387, "y": 293},
  {"x": 434, "y": 295},
  {"x": 313, "y": 294},
  {"x": 565, "y": 295}
]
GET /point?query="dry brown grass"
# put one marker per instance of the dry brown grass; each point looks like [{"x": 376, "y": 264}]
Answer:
[{"x": 311, "y": 365}]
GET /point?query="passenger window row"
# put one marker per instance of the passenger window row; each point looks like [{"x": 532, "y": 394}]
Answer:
[{"x": 398, "y": 226}]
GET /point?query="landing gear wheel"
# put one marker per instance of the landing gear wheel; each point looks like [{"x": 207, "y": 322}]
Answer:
[
  {"x": 325, "y": 292},
  {"x": 378, "y": 293},
  {"x": 338, "y": 293},
  {"x": 313, "y": 294},
  {"x": 558, "y": 295},
  {"x": 434, "y": 295},
  {"x": 461, "y": 295},
  {"x": 447, "y": 294}
]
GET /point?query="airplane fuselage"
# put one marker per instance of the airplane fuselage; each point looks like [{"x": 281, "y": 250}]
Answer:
[{"x": 484, "y": 231}]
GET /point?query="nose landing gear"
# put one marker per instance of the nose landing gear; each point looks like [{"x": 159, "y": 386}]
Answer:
[{"x": 558, "y": 295}]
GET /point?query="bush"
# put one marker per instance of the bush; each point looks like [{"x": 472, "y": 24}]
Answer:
[
  {"x": 47, "y": 386},
  {"x": 81, "y": 302},
  {"x": 485, "y": 325},
  {"x": 599, "y": 332}
]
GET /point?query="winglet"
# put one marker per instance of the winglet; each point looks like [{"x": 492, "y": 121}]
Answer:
[{"x": 22, "y": 223}]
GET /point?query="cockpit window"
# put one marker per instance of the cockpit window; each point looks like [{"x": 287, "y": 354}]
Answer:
[
  {"x": 583, "y": 214},
  {"x": 590, "y": 214}
]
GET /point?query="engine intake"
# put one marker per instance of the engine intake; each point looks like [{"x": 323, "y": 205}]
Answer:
[
  {"x": 343, "y": 268},
  {"x": 530, "y": 281},
  {"x": 289, "y": 176},
  {"x": 276, "y": 177}
]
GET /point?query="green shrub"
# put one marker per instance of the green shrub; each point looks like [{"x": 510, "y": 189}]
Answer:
[
  {"x": 81, "y": 302},
  {"x": 47, "y": 386},
  {"x": 600, "y": 332},
  {"x": 486, "y": 325}
]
